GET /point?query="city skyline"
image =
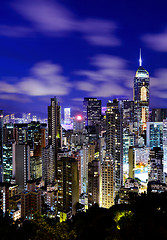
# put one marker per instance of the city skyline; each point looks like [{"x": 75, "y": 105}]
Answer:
[{"x": 76, "y": 50}]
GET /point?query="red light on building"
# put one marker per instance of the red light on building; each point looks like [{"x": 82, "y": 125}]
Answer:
[{"x": 79, "y": 117}]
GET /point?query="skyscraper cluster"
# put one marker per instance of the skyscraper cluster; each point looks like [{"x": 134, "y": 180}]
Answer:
[{"x": 103, "y": 159}]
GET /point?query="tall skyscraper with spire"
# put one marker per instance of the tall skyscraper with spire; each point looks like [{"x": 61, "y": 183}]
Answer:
[{"x": 141, "y": 98}]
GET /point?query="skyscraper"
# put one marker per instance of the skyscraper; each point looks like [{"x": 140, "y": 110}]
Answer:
[
  {"x": 154, "y": 134},
  {"x": 30, "y": 201},
  {"x": 48, "y": 165},
  {"x": 8, "y": 132},
  {"x": 131, "y": 162},
  {"x": 21, "y": 165},
  {"x": 35, "y": 167},
  {"x": 92, "y": 111},
  {"x": 4, "y": 197},
  {"x": 128, "y": 114},
  {"x": 54, "y": 123},
  {"x": 67, "y": 115},
  {"x": 20, "y": 132},
  {"x": 7, "y": 162},
  {"x": 141, "y": 156},
  {"x": 36, "y": 137},
  {"x": 78, "y": 124},
  {"x": 107, "y": 182},
  {"x": 155, "y": 167},
  {"x": 1, "y": 145},
  {"x": 141, "y": 98},
  {"x": 129, "y": 138},
  {"x": 84, "y": 168},
  {"x": 165, "y": 145},
  {"x": 93, "y": 182},
  {"x": 68, "y": 186},
  {"x": 54, "y": 128},
  {"x": 114, "y": 141}
]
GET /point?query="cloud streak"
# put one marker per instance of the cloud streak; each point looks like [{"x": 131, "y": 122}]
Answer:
[
  {"x": 15, "y": 31},
  {"x": 46, "y": 16},
  {"x": 45, "y": 79},
  {"x": 99, "y": 32},
  {"x": 54, "y": 20},
  {"x": 15, "y": 97},
  {"x": 111, "y": 77},
  {"x": 157, "y": 42},
  {"x": 159, "y": 83}
]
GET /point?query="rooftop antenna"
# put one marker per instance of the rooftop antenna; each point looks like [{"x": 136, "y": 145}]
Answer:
[{"x": 140, "y": 60}]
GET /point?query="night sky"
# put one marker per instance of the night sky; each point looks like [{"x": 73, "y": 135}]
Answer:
[{"x": 79, "y": 48}]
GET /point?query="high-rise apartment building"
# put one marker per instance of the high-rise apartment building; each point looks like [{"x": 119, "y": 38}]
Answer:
[
  {"x": 30, "y": 201},
  {"x": 1, "y": 145},
  {"x": 107, "y": 182},
  {"x": 48, "y": 165},
  {"x": 79, "y": 132},
  {"x": 68, "y": 186},
  {"x": 132, "y": 163},
  {"x": 54, "y": 128},
  {"x": 128, "y": 114},
  {"x": 129, "y": 138},
  {"x": 67, "y": 116},
  {"x": 21, "y": 165},
  {"x": 140, "y": 162},
  {"x": 35, "y": 167},
  {"x": 84, "y": 168},
  {"x": 36, "y": 137},
  {"x": 93, "y": 182},
  {"x": 7, "y": 162},
  {"x": 128, "y": 141},
  {"x": 114, "y": 141},
  {"x": 141, "y": 92},
  {"x": 92, "y": 111},
  {"x": 77, "y": 157},
  {"x": 165, "y": 145},
  {"x": 155, "y": 166},
  {"x": 20, "y": 133},
  {"x": 4, "y": 197},
  {"x": 8, "y": 132},
  {"x": 78, "y": 124},
  {"x": 154, "y": 134}
]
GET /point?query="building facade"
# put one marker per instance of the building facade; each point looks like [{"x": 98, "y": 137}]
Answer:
[
  {"x": 21, "y": 165},
  {"x": 54, "y": 128},
  {"x": 141, "y": 97},
  {"x": 92, "y": 111},
  {"x": 68, "y": 186},
  {"x": 114, "y": 139},
  {"x": 107, "y": 182},
  {"x": 93, "y": 182},
  {"x": 155, "y": 169},
  {"x": 154, "y": 134}
]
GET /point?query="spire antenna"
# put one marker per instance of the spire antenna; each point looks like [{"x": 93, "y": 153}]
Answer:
[{"x": 140, "y": 60}]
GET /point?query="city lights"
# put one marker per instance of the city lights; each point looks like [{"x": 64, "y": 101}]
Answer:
[
  {"x": 83, "y": 120},
  {"x": 79, "y": 117}
]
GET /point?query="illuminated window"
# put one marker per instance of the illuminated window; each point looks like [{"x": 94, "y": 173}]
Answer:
[{"x": 143, "y": 94}]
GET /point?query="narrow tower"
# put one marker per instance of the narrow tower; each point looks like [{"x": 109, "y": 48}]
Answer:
[
  {"x": 141, "y": 98},
  {"x": 54, "y": 128}
]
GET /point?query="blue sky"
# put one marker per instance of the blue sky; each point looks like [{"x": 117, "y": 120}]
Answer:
[{"x": 75, "y": 49}]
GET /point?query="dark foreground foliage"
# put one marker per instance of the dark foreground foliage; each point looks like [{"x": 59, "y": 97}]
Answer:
[
  {"x": 39, "y": 228},
  {"x": 146, "y": 218}
]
